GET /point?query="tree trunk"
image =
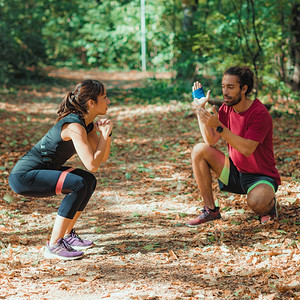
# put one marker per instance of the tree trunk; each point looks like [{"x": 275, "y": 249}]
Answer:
[
  {"x": 295, "y": 45},
  {"x": 189, "y": 8},
  {"x": 185, "y": 65}
]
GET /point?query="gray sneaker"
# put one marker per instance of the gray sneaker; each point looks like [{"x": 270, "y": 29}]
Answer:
[{"x": 62, "y": 250}]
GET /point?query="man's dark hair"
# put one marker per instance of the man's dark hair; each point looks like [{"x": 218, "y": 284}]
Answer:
[{"x": 246, "y": 76}]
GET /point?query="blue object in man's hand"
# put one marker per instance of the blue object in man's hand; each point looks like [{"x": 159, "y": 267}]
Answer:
[{"x": 199, "y": 93}]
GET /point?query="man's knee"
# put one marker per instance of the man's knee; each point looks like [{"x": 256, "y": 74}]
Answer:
[
  {"x": 260, "y": 198},
  {"x": 199, "y": 150},
  {"x": 255, "y": 203}
]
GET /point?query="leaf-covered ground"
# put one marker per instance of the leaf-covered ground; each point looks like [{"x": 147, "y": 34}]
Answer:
[{"x": 145, "y": 194}]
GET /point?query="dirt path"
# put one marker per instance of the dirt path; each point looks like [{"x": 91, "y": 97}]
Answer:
[{"x": 123, "y": 80}]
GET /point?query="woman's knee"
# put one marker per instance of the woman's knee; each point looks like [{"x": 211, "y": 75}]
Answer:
[
  {"x": 88, "y": 177},
  {"x": 92, "y": 179},
  {"x": 79, "y": 185}
]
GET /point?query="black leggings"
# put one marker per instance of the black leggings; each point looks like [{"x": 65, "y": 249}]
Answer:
[{"x": 77, "y": 184}]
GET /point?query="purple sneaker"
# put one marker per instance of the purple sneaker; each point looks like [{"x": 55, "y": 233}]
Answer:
[
  {"x": 76, "y": 242},
  {"x": 273, "y": 214},
  {"x": 62, "y": 250},
  {"x": 205, "y": 216}
]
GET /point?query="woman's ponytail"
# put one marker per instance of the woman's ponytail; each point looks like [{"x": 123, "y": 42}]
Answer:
[{"x": 76, "y": 101}]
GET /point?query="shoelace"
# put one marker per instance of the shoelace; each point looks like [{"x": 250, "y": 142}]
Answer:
[
  {"x": 66, "y": 245},
  {"x": 75, "y": 235},
  {"x": 205, "y": 212}
]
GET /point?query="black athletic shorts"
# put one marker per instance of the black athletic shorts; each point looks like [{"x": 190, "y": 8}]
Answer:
[{"x": 243, "y": 183}]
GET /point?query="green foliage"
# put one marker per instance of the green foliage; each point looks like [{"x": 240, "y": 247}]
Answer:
[
  {"x": 194, "y": 40},
  {"x": 153, "y": 91},
  {"x": 107, "y": 35},
  {"x": 21, "y": 42},
  {"x": 238, "y": 33}
]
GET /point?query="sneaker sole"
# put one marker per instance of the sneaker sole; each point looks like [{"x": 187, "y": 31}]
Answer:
[
  {"x": 189, "y": 225},
  {"x": 82, "y": 247},
  {"x": 266, "y": 219},
  {"x": 50, "y": 255},
  {"x": 270, "y": 217}
]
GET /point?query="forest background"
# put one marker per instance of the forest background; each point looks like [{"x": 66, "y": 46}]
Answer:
[
  {"x": 190, "y": 38},
  {"x": 146, "y": 191}
]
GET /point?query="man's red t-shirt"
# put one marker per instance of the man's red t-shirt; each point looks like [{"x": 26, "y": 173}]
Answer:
[{"x": 253, "y": 124}]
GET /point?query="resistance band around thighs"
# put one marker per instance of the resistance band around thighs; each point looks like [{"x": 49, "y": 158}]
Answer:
[
  {"x": 61, "y": 180},
  {"x": 224, "y": 177}
]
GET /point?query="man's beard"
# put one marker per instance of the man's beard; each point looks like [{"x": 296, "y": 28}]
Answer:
[{"x": 233, "y": 101}]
